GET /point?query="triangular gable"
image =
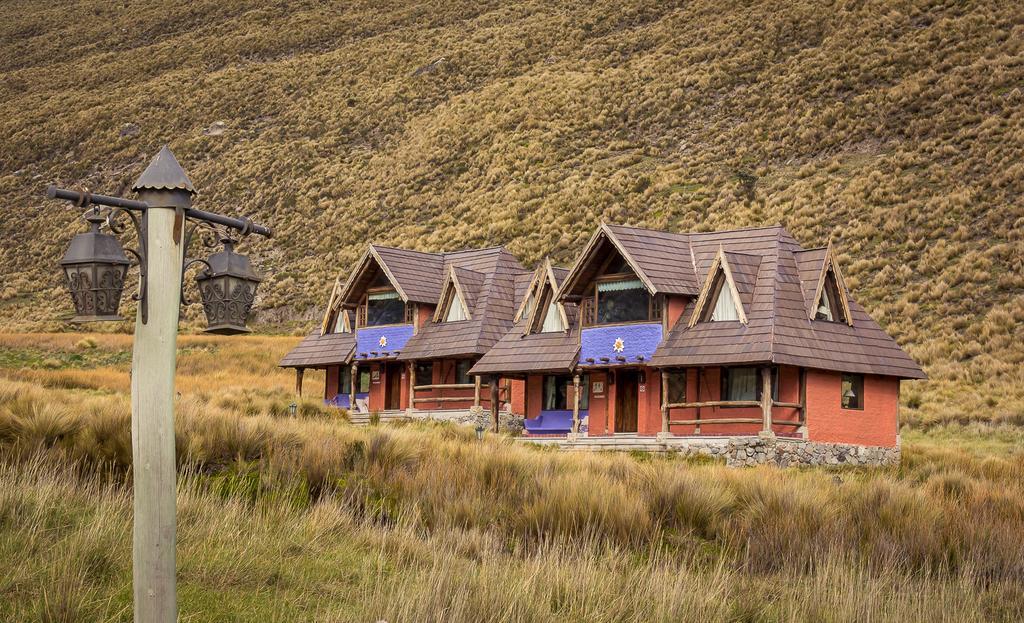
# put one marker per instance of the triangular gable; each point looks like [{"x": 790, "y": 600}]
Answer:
[
  {"x": 830, "y": 269},
  {"x": 370, "y": 257},
  {"x": 577, "y": 278},
  {"x": 452, "y": 293},
  {"x": 719, "y": 269},
  {"x": 527, "y": 304},
  {"x": 325, "y": 326},
  {"x": 538, "y": 314}
]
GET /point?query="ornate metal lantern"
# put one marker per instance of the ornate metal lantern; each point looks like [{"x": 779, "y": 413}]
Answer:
[
  {"x": 95, "y": 265},
  {"x": 228, "y": 288}
]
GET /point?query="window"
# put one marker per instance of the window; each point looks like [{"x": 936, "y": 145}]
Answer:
[
  {"x": 552, "y": 319},
  {"x": 830, "y": 306},
  {"x": 852, "y": 396},
  {"x": 456, "y": 310},
  {"x": 345, "y": 382},
  {"x": 384, "y": 308},
  {"x": 462, "y": 367},
  {"x": 341, "y": 322},
  {"x": 364, "y": 382},
  {"x": 725, "y": 305},
  {"x": 676, "y": 390},
  {"x": 585, "y": 392},
  {"x": 529, "y": 306},
  {"x": 556, "y": 392},
  {"x": 745, "y": 384},
  {"x": 622, "y": 301},
  {"x": 424, "y": 372}
]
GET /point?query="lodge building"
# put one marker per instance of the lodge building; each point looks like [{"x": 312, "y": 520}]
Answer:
[{"x": 648, "y": 334}]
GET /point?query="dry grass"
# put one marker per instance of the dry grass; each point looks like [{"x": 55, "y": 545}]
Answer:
[{"x": 310, "y": 518}]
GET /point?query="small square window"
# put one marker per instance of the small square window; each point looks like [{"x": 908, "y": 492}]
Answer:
[
  {"x": 462, "y": 371},
  {"x": 852, "y": 391},
  {"x": 676, "y": 390},
  {"x": 364, "y": 382},
  {"x": 424, "y": 372}
]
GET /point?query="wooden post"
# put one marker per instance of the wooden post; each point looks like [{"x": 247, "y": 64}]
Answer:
[
  {"x": 766, "y": 399},
  {"x": 803, "y": 396},
  {"x": 412, "y": 385},
  {"x": 494, "y": 401},
  {"x": 476, "y": 391},
  {"x": 664, "y": 401},
  {"x": 575, "y": 403},
  {"x": 298, "y": 382},
  {"x": 352, "y": 387},
  {"x": 153, "y": 396},
  {"x": 696, "y": 428}
]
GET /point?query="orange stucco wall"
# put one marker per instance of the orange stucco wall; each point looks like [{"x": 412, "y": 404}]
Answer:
[{"x": 874, "y": 425}]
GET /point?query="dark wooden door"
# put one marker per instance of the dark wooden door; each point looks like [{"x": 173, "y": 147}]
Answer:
[
  {"x": 626, "y": 399},
  {"x": 393, "y": 389}
]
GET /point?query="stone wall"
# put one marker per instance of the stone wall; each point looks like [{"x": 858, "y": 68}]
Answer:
[
  {"x": 476, "y": 416},
  {"x": 748, "y": 451}
]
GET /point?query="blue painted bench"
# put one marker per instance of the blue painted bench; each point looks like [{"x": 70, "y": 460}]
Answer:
[
  {"x": 341, "y": 400},
  {"x": 552, "y": 422}
]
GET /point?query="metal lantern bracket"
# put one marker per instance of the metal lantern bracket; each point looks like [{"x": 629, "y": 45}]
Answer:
[{"x": 136, "y": 212}]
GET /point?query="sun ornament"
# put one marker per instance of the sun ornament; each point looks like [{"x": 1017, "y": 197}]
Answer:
[
  {"x": 619, "y": 345},
  {"x": 383, "y": 341}
]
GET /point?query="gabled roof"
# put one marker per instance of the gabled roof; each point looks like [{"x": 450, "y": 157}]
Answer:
[
  {"x": 739, "y": 281},
  {"x": 415, "y": 275},
  {"x": 779, "y": 328},
  {"x": 164, "y": 173},
  {"x": 489, "y": 279},
  {"x": 521, "y": 352},
  {"x": 659, "y": 259},
  {"x": 464, "y": 286},
  {"x": 320, "y": 351},
  {"x": 813, "y": 273}
]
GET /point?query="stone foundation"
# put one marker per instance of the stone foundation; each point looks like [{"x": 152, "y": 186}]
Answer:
[
  {"x": 476, "y": 416},
  {"x": 770, "y": 450}
]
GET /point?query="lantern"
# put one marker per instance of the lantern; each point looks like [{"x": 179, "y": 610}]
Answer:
[
  {"x": 228, "y": 288},
  {"x": 95, "y": 265}
]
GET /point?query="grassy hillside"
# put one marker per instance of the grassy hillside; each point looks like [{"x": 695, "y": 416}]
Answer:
[
  {"x": 894, "y": 127},
  {"x": 309, "y": 518}
]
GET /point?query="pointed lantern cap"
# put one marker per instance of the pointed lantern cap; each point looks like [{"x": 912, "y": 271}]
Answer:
[{"x": 164, "y": 173}]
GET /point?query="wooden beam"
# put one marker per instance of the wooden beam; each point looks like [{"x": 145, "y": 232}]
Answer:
[
  {"x": 298, "y": 381},
  {"x": 700, "y": 372},
  {"x": 766, "y": 398},
  {"x": 786, "y": 405},
  {"x": 575, "y": 403},
  {"x": 803, "y": 395},
  {"x": 494, "y": 401},
  {"x": 664, "y": 401},
  {"x": 476, "y": 391},
  {"x": 714, "y": 403},
  {"x": 412, "y": 383},
  {"x": 446, "y": 386},
  {"x": 352, "y": 387},
  {"x": 737, "y": 420},
  {"x": 444, "y": 399}
]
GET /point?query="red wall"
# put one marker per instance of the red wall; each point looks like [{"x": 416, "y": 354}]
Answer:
[
  {"x": 874, "y": 425},
  {"x": 676, "y": 308},
  {"x": 444, "y": 374},
  {"x": 331, "y": 382}
]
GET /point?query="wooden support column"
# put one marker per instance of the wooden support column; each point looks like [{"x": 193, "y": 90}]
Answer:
[
  {"x": 412, "y": 384},
  {"x": 298, "y": 382},
  {"x": 352, "y": 387},
  {"x": 664, "y": 401},
  {"x": 766, "y": 399},
  {"x": 696, "y": 428},
  {"x": 476, "y": 390},
  {"x": 494, "y": 401},
  {"x": 803, "y": 396},
  {"x": 575, "y": 403}
]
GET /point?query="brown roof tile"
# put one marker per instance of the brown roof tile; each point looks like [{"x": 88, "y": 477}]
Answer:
[{"x": 319, "y": 351}]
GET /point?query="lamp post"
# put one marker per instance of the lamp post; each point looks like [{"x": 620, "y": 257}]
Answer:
[{"x": 95, "y": 265}]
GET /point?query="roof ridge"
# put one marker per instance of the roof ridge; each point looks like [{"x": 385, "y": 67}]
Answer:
[{"x": 775, "y": 296}]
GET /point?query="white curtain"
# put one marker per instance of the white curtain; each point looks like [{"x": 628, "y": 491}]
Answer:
[
  {"x": 455, "y": 311},
  {"x": 742, "y": 383},
  {"x": 824, "y": 306},
  {"x": 552, "y": 320},
  {"x": 725, "y": 306}
]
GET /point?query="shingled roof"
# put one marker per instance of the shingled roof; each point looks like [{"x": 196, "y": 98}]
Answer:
[
  {"x": 488, "y": 278},
  {"x": 319, "y": 351},
  {"x": 520, "y": 352},
  {"x": 777, "y": 279}
]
